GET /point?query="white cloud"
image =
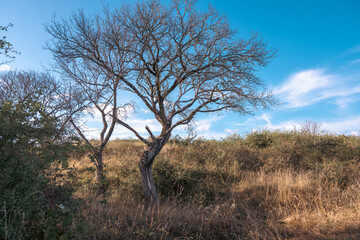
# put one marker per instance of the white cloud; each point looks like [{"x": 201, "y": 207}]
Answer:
[
  {"x": 266, "y": 117},
  {"x": 204, "y": 128},
  {"x": 347, "y": 126},
  {"x": 138, "y": 122},
  {"x": 302, "y": 88},
  {"x": 230, "y": 131},
  {"x": 305, "y": 81},
  {"x": 138, "y": 125},
  {"x": 4, "y": 67},
  {"x": 343, "y": 102},
  {"x": 264, "y": 122},
  {"x": 204, "y": 125},
  {"x": 285, "y": 125},
  {"x": 92, "y": 124},
  {"x": 144, "y": 110},
  {"x": 355, "y": 133},
  {"x": 213, "y": 135},
  {"x": 307, "y": 87}
]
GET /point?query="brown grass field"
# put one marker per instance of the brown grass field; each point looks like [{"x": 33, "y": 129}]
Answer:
[{"x": 269, "y": 185}]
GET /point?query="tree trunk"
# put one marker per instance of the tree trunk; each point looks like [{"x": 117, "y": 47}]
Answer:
[
  {"x": 148, "y": 184},
  {"x": 100, "y": 172},
  {"x": 145, "y": 167}
]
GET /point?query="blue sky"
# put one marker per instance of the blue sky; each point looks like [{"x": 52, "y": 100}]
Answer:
[{"x": 316, "y": 74}]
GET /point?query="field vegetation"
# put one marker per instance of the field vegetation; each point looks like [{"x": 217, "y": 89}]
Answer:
[{"x": 266, "y": 185}]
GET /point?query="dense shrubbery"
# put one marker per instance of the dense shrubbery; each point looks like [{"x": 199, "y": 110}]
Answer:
[
  {"x": 30, "y": 140},
  {"x": 302, "y": 151}
]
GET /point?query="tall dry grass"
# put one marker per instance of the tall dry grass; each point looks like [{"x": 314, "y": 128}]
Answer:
[{"x": 269, "y": 185}]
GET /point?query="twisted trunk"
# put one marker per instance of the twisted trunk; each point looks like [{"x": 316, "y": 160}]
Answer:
[
  {"x": 147, "y": 180},
  {"x": 145, "y": 167}
]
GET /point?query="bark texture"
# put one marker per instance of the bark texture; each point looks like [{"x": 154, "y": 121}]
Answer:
[
  {"x": 145, "y": 167},
  {"x": 99, "y": 172},
  {"x": 99, "y": 164}
]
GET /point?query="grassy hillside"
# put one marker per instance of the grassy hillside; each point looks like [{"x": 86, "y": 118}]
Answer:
[{"x": 268, "y": 185}]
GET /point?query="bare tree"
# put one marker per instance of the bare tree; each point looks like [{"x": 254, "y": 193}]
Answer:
[
  {"x": 179, "y": 62},
  {"x": 312, "y": 128},
  {"x": 87, "y": 90},
  {"x": 19, "y": 86}
]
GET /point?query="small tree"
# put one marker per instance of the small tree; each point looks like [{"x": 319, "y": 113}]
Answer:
[
  {"x": 177, "y": 61},
  {"x": 31, "y": 138},
  {"x": 312, "y": 128},
  {"x": 87, "y": 89}
]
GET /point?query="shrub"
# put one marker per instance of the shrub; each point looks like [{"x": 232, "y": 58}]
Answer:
[
  {"x": 30, "y": 140},
  {"x": 259, "y": 139}
]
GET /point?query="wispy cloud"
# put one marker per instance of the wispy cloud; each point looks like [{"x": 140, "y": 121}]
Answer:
[
  {"x": 302, "y": 88},
  {"x": 203, "y": 126},
  {"x": 343, "y": 102},
  {"x": 354, "y": 61},
  {"x": 353, "y": 50},
  {"x": 284, "y": 125},
  {"x": 92, "y": 124},
  {"x": 138, "y": 123},
  {"x": 307, "y": 87},
  {"x": 265, "y": 121},
  {"x": 92, "y": 128},
  {"x": 348, "y": 126},
  {"x": 138, "y": 120}
]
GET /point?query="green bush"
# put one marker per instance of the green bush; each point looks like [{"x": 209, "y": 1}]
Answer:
[
  {"x": 259, "y": 139},
  {"x": 30, "y": 140},
  {"x": 303, "y": 151}
]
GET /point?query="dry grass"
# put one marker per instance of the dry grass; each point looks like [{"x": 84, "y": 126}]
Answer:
[
  {"x": 226, "y": 190},
  {"x": 301, "y": 204}
]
